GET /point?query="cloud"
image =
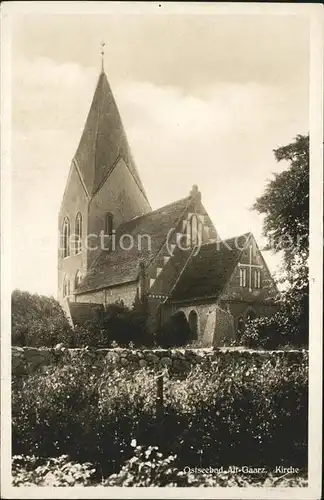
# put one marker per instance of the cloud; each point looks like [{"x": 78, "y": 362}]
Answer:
[{"x": 187, "y": 51}]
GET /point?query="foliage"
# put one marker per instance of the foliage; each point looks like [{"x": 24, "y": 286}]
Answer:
[
  {"x": 147, "y": 467},
  {"x": 285, "y": 204},
  {"x": 38, "y": 321},
  {"x": 36, "y": 471},
  {"x": 268, "y": 332},
  {"x": 241, "y": 409},
  {"x": 175, "y": 332},
  {"x": 117, "y": 324}
]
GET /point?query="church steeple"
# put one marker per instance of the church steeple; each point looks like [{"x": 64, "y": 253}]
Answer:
[
  {"x": 103, "y": 188},
  {"x": 103, "y": 142}
]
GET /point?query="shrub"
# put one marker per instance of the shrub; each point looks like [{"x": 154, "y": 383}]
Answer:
[
  {"x": 271, "y": 332},
  {"x": 175, "y": 332},
  {"x": 35, "y": 471},
  {"x": 242, "y": 409},
  {"x": 117, "y": 324},
  {"x": 264, "y": 332},
  {"x": 38, "y": 321},
  {"x": 147, "y": 467}
]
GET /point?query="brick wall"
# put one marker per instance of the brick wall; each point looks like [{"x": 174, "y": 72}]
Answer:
[{"x": 126, "y": 292}]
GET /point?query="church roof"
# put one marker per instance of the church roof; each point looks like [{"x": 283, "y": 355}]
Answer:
[
  {"x": 207, "y": 273},
  {"x": 103, "y": 141},
  {"x": 121, "y": 266}
]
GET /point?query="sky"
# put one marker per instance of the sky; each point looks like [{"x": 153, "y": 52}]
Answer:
[{"x": 204, "y": 100}]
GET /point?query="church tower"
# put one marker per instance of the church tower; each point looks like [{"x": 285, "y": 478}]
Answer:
[{"x": 102, "y": 191}]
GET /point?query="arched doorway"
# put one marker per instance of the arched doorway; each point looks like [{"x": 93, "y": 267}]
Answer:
[{"x": 193, "y": 323}]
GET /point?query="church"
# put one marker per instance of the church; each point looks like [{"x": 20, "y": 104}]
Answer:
[{"x": 115, "y": 248}]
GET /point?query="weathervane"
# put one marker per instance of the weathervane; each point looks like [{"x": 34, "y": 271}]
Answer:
[{"x": 102, "y": 55}]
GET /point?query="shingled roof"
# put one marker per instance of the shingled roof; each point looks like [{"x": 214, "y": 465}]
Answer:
[
  {"x": 121, "y": 266},
  {"x": 103, "y": 141},
  {"x": 207, "y": 273}
]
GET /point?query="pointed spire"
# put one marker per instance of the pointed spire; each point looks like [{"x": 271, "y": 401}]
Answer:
[
  {"x": 103, "y": 141},
  {"x": 102, "y": 56}
]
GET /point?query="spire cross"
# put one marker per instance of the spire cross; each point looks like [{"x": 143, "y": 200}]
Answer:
[
  {"x": 250, "y": 266},
  {"x": 102, "y": 55}
]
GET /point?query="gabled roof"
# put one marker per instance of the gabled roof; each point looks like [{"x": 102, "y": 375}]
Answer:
[
  {"x": 103, "y": 141},
  {"x": 121, "y": 266},
  {"x": 207, "y": 273}
]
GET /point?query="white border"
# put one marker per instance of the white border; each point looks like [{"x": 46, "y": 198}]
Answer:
[{"x": 315, "y": 13}]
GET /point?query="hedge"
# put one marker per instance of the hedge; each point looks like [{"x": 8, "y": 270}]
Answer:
[{"x": 227, "y": 414}]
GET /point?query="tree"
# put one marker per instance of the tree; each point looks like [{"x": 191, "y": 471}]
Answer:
[
  {"x": 116, "y": 325},
  {"x": 37, "y": 320},
  {"x": 285, "y": 204},
  {"x": 175, "y": 332}
]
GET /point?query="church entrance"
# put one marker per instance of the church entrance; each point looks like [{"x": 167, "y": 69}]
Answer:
[{"x": 193, "y": 323}]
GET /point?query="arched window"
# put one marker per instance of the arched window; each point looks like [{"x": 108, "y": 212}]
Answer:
[
  {"x": 242, "y": 276},
  {"x": 195, "y": 230},
  {"x": 77, "y": 279},
  {"x": 257, "y": 278},
  {"x": 66, "y": 238},
  {"x": 193, "y": 323},
  {"x": 109, "y": 223},
  {"x": 78, "y": 233},
  {"x": 66, "y": 286}
]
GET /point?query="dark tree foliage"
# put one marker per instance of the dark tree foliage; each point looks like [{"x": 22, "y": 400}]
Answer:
[
  {"x": 175, "y": 332},
  {"x": 117, "y": 325},
  {"x": 38, "y": 321},
  {"x": 285, "y": 204}
]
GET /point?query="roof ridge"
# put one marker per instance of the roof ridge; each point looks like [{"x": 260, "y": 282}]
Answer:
[
  {"x": 95, "y": 144},
  {"x": 220, "y": 240},
  {"x": 176, "y": 223},
  {"x": 154, "y": 211}
]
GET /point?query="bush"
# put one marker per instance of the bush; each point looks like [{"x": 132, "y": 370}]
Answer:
[
  {"x": 147, "y": 467},
  {"x": 265, "y": 332},
  {"x": 35, "y": 471},
  {"x": 272, "y": 332},
  {"x": 116, "y": 325},
  {"x": 175, "y": 332},
  {"x": 38, "y": 321},
  {"x": 240, "y": 410}
]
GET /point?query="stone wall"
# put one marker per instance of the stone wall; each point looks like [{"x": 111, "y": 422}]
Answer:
[{"x": 178, "y": 362}]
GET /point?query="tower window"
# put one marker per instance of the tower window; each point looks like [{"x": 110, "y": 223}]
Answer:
[
  {"x": 78, "y": 233},
  {"x": 242, "y": 276},
  {"x": 77, "y": 279},
  {"x": 66, "y": 238},
  {"x": 109, "y": 223},
  {"x": 257, "y": 278}
]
